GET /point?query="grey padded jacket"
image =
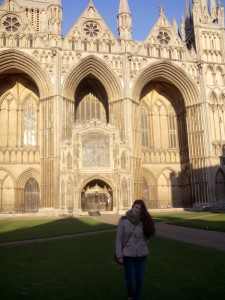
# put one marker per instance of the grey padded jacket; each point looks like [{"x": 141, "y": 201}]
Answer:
[{"x": 137, "y": 244}]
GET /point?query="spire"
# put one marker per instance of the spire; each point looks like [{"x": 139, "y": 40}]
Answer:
[
  {"x": 213, "y": 8},
  {"x": 91, "y": 3},
  {"x": 124, "y": 21},
  {"x": 161, "y": 9},
  {"x": 175, "y": 26},
  {"x": 213, "y": 3},
  {"x": 124, "y": 7},
  {"x": 204, "y": 3},
  {"x": 188, "y": 9}
]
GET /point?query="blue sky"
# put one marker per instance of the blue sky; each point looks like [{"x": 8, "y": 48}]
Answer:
[{"x": 144, "y": 13}]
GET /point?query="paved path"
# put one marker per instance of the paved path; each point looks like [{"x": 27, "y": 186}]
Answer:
[{"x": 206, "y": 238}]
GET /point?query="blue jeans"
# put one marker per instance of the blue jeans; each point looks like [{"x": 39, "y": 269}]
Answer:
[{"x": 134, "y": 275}]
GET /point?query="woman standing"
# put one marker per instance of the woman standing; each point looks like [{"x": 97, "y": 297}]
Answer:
[{"x": 133, "y": 231}]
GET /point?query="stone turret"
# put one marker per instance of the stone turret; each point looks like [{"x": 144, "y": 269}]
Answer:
[
  {"x": 124, "y": 21},
  {"x": 55, "y": 17}
]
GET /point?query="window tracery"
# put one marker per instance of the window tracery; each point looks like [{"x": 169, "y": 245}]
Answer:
[
  {"x": 91, "y": 29},
  {"x": 29, "y": 122},
  {"x": 95, "y": 150},
  {"x": 11, "y": 23},
  {"x": 89, "y": 107},
  {"x": 163, "y": 37}
]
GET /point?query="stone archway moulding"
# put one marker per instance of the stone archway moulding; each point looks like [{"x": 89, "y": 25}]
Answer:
[
  {"x": 172, "y": 73},
  {"x": 27, "y": 175},
  {"x": 14, "y": 59},
  {"x": 97, "y": 68},
  {"x": 87, "y": 180}
]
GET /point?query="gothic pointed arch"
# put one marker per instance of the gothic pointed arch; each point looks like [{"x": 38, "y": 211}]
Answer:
[
  {"x": 92, "y": 66},
  {"x": 213, "y": 98},
  {"x": 149, "y": 189},
  {"x": 28, "y": 191},
  {"x": 168, "y": 192},
  {"x": 16, "y": 60},
  {"x": 222, "y": 98},
  {"x": 167, "y": 72},
  {"x": 31, "y": 195},
  {"x": 26, "y": 175},
  {"x": 96, "y": 177},
  {"x": 97, "y": 195},
  {"x": 209, "y": 75},
  {"x": 91, "y": 101},
  {"x": 8, "y": 185}
]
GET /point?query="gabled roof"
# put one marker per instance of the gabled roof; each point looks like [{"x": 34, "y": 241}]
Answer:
[
  {"x": 164, "y": 33},
  {"x": 91, "y": 25}
]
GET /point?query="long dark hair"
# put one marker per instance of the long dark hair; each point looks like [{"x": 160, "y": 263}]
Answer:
[{"x": 147, "y": 221}]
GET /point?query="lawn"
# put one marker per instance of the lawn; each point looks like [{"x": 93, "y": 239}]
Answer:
[
  {"x": 201, "y": 220},
  {"x": 24, "y": 229},
  {"x": 81, "y": 268}
]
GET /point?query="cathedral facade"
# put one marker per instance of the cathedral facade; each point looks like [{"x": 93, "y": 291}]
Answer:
[{"x": 90, "y": 121}]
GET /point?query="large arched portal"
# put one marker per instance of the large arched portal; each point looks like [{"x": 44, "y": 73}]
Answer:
[
  {"x": 97, "y": 195},
  {"x": 164, "y": 142}
]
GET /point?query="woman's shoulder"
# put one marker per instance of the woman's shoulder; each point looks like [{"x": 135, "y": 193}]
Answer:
[{"x": 122, "y": 220}]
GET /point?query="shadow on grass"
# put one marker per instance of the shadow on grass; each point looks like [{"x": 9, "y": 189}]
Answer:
[{"x": 16, "y": 230}]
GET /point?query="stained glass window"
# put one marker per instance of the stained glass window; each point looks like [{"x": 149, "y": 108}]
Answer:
[
  {"x": 29, "y": 123},
  {"x": 95, "y": 150}
]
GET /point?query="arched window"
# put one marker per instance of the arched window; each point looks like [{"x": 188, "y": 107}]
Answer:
[
  {"x": 73, "y": 45},
  {"x": 97, "y": 46},
  {"x": 110, "y": 48},
  {"x": 17, "y": 41},
  {"x": 29, "y": 124},
  {"x": 172, "y": 129},
  {"x": 85, "y": 45},
  {"x": 95, "y": 150},
  {"x": 31, "y": 192},
  {"x": 4, "y": 40},
  {"x": 89, "y": 107},
  {"x": 30, "y": 43}
]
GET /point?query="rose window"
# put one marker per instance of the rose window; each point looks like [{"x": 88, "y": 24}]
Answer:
[
  {"x": 163, "y": 37},
  {"x": 11, "y": 24},
  {"x": 91, "y": 29}
]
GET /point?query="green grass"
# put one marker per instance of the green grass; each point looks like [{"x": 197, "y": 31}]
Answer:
[
  {"x": 203, "y": 220},
  {"x": 82, "y": 268},
  {"x": 159, "y": 217},
  {"x": 13, "y": 230}
]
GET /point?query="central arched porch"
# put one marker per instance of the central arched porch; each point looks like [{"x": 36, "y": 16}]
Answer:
[{"x": 96, "y": 195}]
